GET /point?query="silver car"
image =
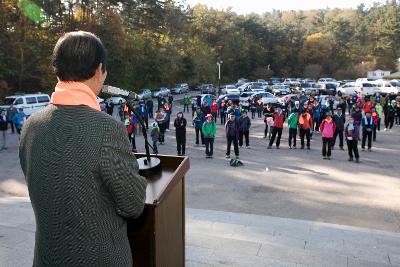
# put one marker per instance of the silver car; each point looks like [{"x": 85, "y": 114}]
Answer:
[{"x": 163, "y": 91}]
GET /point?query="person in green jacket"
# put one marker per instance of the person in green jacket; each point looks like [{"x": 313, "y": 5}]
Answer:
[
  {"x": 292, "y": 122},
  {"x": 379, "y": 110},
  {"x": 209, "y": 130},
  {"x": 186, "y": 103}
]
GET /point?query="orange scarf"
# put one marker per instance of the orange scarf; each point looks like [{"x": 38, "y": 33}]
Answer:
[{"x": 74, "y": 94}]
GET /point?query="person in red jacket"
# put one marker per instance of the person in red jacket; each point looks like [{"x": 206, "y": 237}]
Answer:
[
  {"x": 214, "y": 110},
  {"x": 305, "y": 126},
  {"x": 367, "y": 106},
  {"x": 375, "y": 118},
  {"x": 279, "y": 119}
]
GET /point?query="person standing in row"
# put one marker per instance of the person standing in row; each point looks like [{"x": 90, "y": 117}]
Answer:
[
  {"x": 328, "y": 128},
  {"x": 244, "y": 129},
  {"x": 367, "y": 125},
  {"x": 390, "y": 111},
  {"x": 161, "y": 121},
  {"x": 260, "y": 107},
  {"x": 375, "y": 118},
  {"x": 293, "y": 123},
  {"x": 19, "y": 120},
  {"x": 180, "y": 133},
  {"x": 305, "y": 126},
  {"x": 339, "y": 120},
  {"x": 186, "y": 103},
  {"x": 209, "y": 130},
  {"x": 150, "y": 106},
  {"x": 279, "y": 119},
  {"x": 379, "y": 110},
  {"x": 268, "y": 120},
  {"x": 351, "y": 134},
  {"x": 155, "y": 135},
  {"x": 198, "y": 120},
  {"x": 222, "y": 112},
  {"x": 194, "y": 107},
  {"x": 131, "y": 128},
  {"x": 214, "y": 110},
  {"x": 232, "y": 135},
  {"x": 3, "y": 129},
  {"x": 11, "y": 112}
]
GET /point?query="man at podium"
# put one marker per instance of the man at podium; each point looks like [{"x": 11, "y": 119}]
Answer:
[{"x": 82, "y": 179}]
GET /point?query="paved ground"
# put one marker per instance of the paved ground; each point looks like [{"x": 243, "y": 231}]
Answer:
[{"x": 294, "y": 186}]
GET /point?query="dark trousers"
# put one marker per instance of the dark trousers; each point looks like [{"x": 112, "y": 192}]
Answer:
[
  {"x": 133, "y": 141},
  {"x": 223, "y": 117},
  {"x": 185, "y": 107},
  {"x": 155, "y": 149},
  {"x": 253, "y": 114},
  {"x": 276, "y": 131},
  {"x": 259, "y": 113},
  {"x": 209, "y": 146},
  {"x": 397, "y": 117},
  {"x": 181, "y": 143},
  {"x": 338, "y": 132},
  {"x": 292, "y": 136},
  {"x": 246, "y": 136},
  {"x": 379, "y": 124},
  {"x": 231, "y": 140},
  {"x": 199, "y": 132},
  {"x": 316, "y": 122},
  {"x": 352, "y": 148},
  {"x": 215, "y": 116},
  {"x": 150, "y": 113},
  {"x": 366, "y": 135},
  {"x": 374, "y": 134},
  {"x": 162, "y": 132},
  {"x": 389, "y": 121},
  {"x": 307, "y": 134},
  {"x": 12, "y": 126},
  {"x": 326, "y": 145},
  {"x": 266, "y": 130},
  {"x": 193, "y": 110}
]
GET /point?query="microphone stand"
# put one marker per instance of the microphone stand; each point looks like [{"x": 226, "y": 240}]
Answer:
[{"x": 147, "y": 165}]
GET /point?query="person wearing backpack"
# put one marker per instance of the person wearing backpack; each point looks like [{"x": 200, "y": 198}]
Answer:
[
  {"x": 293, "y": 123},
  {"x": 367, "y": 124},
  {"x": 209, "y": 130},
  {"x": 180, "y": 132}
]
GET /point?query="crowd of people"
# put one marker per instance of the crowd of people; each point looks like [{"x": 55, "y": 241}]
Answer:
[
  {"x": 13, "y": 117},
  {"x": 341, "y": 121}
]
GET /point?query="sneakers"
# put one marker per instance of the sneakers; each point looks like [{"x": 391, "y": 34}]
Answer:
[
  {"x": 248, "y": 147},
  {"x": 290, "y": 147},
  {"x": 237, "y": 157},
  {"x": 369, "y": 150},
  {"x": 385, "y": 129},
  {"x": 357, "y": 160},
  {"x": 363, "y": 148},
  {"x": 324, "y": 157},
  {"x": 227, "y": 157},
  {"x": 240, "y": 147},
  {"x": 341, "y": 148},
  {"x": 277, "y": 147},
  {"x": 294, "y": 147},
  {"x": 302, "y": 147},
  {"x": 328, "y": 158},
  {"x": 350, "y": 159},
  {"x": 269, "y": 147}
]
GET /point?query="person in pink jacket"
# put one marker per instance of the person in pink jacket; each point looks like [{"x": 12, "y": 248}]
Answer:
[{"x": 328, "y": 128}]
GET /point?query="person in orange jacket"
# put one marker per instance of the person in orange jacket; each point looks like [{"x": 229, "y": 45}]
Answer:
[{"x": 305, "y": 125}]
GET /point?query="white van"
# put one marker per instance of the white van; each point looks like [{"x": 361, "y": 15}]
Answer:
[
  {"x": 366, "y": 88},
  {"x": 387, "y": 87},
  {"x": 30, "y": 103}
]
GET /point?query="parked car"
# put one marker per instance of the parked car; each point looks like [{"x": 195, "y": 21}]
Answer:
[
  {"x": 366, "y": 88},
  {"x": 116, "y": 100},
  {"x": 280, "y": 89},
  {"x": 230, "y": 89},
  {"x": 245, "y": 98},
  {"x": 163, "y": 91},
  {"x": 145, "y": 94},
  {"x": 286, "y": 98},
  {"x": 309, "y": 88},
  {"x": 267, "y": 98},
  {"x": 387, "y": 87},
  {"x": 347, "y": 89},
  {"x": 30, "y": 103},
  {"x": 323, "y": 98},
  {"x": 208, "y": 89},
  {"x": 208, "y": 99},
  {"x": 180, "y": 88},
  {"x": 234, "y": 98}
]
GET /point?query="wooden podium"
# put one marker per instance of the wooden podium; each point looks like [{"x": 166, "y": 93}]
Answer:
[{"x": 157, "y": 237}]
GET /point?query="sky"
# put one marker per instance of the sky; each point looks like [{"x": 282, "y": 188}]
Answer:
[{"x": 262, "y": 6}]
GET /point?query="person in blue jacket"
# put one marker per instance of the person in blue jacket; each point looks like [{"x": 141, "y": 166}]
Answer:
[
  {"x": 19, "y": 120},
  {"x": 198, "y": 120}
]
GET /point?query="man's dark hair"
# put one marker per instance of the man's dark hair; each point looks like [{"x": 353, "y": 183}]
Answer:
[{"x": 77, "y": 55}]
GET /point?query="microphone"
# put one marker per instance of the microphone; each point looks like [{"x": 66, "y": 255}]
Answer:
[
  {"x": 115, "y": 91},
  {"x": 147, "y": 165}
]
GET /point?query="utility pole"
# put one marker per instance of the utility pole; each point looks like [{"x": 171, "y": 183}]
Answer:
[{"x": 219, "y": 63}]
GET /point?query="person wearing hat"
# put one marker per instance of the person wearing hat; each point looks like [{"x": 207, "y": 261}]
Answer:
[
  {"x": 209, "y": 130},
  {"x": 3, "y": 129},
  {"x": 351, "y": 134},
  {"x": 357, "y": 115},
  {"x": 367, "y": 125},
  {"x": 305, "y": 126},
  {"x": 232, "y": 135},
  {"x": 339, "y": 120},
  {"x": 279, "y": 119},
  {"x": 328, "y": 128},
  {"x": 180, "y": 133},
  {"x": 293, "y": 124}
]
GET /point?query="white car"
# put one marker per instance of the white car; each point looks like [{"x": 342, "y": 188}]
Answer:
[
  {"x": 387, "y": 87},
  {"x": 366, "y": 88},
  {"x": 347, "y": 89},
  {"x": 244, "y": 99},
  {"x": 30, "y": 103},
  {"x": 280, "y": 89},
  {"x": 116, "y": 100},
  {"x": 230, "y": 90}
]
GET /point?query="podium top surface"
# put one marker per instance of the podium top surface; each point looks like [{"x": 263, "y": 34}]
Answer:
[{"x": 173, "y": 169}]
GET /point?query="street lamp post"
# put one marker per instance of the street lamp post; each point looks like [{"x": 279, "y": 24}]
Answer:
[{"x": 219, "y": 63}]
